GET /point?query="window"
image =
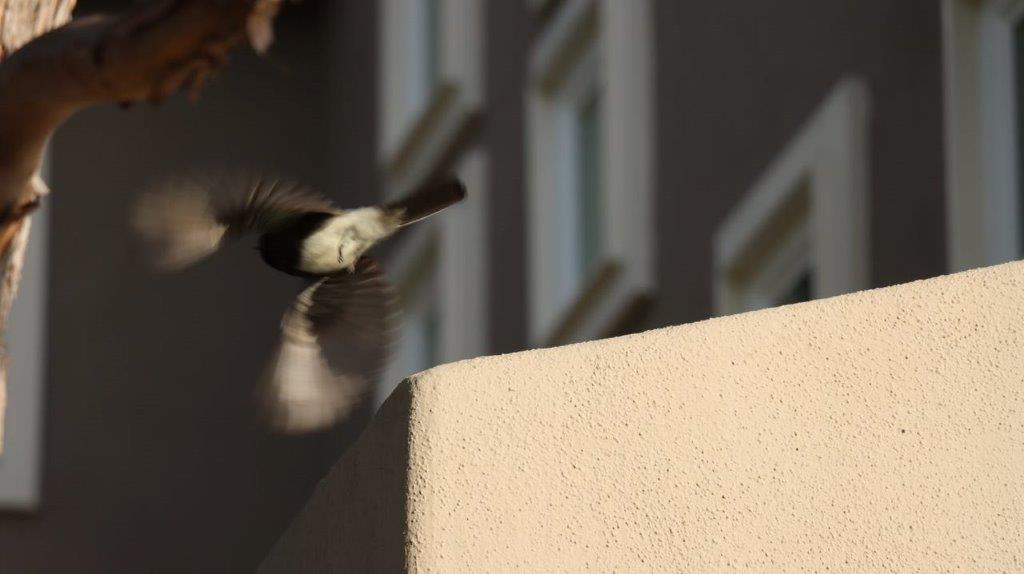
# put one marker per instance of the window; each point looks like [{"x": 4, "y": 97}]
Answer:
[
  {"x": 1018, "y": 99},
  {"x": 418, "y": 345},
  {"x": 423, "y": 331},
  {"x": 591, "y": 169},
  {"x": 801, "y": 231},
  {"x": 430, "y": 99},
  {"x": 429, "y": 84},
  {"x": 577, "y": 123},
  {"x": 588, "y": 185},
  {"x": 782, "y": 274},
  {"x": 430, "y": 48},
  {"x": 412, "y": 53},
  {"x": 983, "y": 59},
  {"x": 439, "y": 270},
  {"x": 21, "y": 458}
]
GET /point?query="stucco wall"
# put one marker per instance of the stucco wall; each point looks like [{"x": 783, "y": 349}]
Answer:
[{"x": 878, "y": 431}]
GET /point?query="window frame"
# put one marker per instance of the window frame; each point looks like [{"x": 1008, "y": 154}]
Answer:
[
  {"x": 412, "y": 142},
  {"x": 780, "y": 269},
  {"x": 21, "y": 458},
  {"x": 617, "y": 36},
  {"x": 829, "y": 152},
  {"x": 981, "y": 132}
]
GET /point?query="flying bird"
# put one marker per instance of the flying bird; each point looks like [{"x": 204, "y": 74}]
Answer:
[{"x": 335, "y": 334}]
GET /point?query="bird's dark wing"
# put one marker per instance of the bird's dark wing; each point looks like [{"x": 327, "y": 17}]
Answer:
[
  {"x": 185, "y": 219},
  {"x": 335, "y": 339}
]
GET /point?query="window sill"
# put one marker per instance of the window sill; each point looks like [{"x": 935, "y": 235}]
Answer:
[
  {"x": 606, "y": 305},
  {"x": 433, "y": 141}
]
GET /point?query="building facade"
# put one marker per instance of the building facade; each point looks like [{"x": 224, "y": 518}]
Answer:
[{"x": 650, "y": 163}]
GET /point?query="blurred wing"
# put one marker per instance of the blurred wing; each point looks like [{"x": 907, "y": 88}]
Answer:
[
  {"x": 183, "y": 220},
  {"x": 335, "y": 339},
  {"x": 260, "y": 25}
]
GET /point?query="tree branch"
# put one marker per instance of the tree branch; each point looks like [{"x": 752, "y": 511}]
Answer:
[{"x": 145, "y": 54}]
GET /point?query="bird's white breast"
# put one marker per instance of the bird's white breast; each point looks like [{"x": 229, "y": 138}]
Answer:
[{"x": 343, "y": 239}]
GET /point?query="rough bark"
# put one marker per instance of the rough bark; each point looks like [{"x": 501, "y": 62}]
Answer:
[
  {"x": 20, "y": 21},
  {"x": 49, "y": 69}
]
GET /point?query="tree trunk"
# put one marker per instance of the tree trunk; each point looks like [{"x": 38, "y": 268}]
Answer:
[{"x": 20, "y": 21}]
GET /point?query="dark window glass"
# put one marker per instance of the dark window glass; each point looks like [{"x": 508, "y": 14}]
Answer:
[
  {"x": 799, "y": 292},
  {"x": 1018, "y": 39},
  {"x": 431, "y": 338},
  {"x": 590, "y": 182}
]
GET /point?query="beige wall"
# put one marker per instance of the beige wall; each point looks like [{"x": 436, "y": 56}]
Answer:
[{"x": 878, "y": 431}]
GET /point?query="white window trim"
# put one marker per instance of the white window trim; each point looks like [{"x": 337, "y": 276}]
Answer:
[
  {"x": 458, "y": 237},
  {"x": 21, "y": 459},
  {"x": 828, "y": 157},
  {"x": 622, "y": 43},
  {"x": 983, "y": 210},
  {"x": 413, "y": 144}
]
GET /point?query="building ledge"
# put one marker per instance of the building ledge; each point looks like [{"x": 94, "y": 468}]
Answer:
[{"x": 882, "y": 430}]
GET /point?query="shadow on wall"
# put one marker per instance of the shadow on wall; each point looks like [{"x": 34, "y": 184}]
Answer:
[{"x": 363, "y": 501}]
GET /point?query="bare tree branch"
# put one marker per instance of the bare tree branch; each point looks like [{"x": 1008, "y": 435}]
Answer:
[
  {"x": 144, "y": 55},
  {"x": 47, "y": 73}
]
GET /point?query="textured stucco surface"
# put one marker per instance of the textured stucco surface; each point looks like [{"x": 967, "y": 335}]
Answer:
[{"x": 878, "y": 431}]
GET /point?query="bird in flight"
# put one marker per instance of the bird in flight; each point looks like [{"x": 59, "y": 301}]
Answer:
[{"x": 335, "y": 334}]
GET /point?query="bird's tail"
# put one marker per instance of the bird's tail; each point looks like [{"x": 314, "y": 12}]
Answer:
[{"x": 427, "y": 200}]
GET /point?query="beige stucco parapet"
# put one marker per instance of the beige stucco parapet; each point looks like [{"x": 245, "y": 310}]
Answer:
[{"x": 880, "y": 431}]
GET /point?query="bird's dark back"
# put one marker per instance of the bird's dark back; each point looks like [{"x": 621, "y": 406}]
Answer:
[{"x": 282, "y": 247}]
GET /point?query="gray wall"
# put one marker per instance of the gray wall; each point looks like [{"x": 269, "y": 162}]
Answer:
[
  {"x": 509, "y": 29},
  {"x": 735, "y": 80},
  {"x": 153, "y": 459}
]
